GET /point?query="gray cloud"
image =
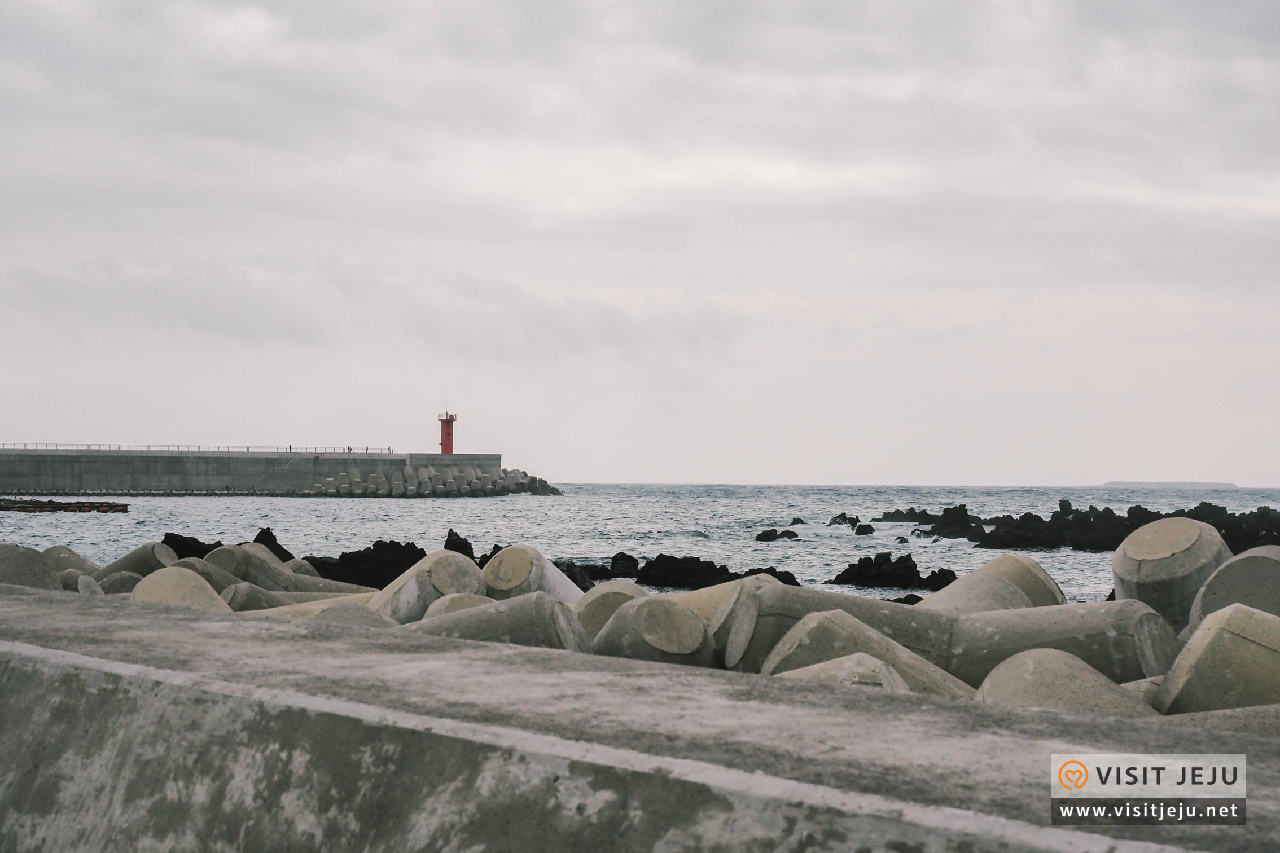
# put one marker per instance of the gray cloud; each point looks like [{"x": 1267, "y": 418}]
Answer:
[{"x": 919, "y": 229}]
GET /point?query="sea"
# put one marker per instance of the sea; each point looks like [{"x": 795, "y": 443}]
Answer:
[{"x": 591, "y": 522}]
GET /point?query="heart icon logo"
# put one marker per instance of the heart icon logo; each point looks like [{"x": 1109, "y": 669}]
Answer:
[{"x": 1073, "y": 775}]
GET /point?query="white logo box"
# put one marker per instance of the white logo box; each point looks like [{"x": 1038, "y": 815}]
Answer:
[{"x": 1150, "y": 775}]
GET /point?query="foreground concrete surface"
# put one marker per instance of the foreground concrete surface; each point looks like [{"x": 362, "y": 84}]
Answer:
[{"x": 139, "y": 727}]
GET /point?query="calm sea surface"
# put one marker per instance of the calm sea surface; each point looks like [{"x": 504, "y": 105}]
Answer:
[{"x": 592, "y": 522}]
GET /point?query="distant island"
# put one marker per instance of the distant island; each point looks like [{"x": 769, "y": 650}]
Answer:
[{"x": 1180, "y": 484}]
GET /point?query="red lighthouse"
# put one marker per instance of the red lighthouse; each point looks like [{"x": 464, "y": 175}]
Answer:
[{"x": 446, "y": 431}]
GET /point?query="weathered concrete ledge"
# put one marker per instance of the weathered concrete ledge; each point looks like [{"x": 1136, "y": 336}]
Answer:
[{"x": 127, "y": 726}]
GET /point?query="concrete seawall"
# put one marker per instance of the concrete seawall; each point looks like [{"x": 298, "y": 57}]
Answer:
[
  {"x": 125, "y": 472},
  {"x": 131, "y": 726}
]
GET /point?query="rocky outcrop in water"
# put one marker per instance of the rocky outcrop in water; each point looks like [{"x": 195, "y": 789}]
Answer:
[
  {"x": 844, "y": 518},
  {"x": 773, "y": 535},
  {"x": 189, "y": 546},
  {"x": 459, "y": 545},
  {"x": 1103, "y": 529},
  {"x": 695, "y": 573},
  {"x": 375, "y": 566},
  {"x": 956, "y": 523},
  {"x": 884, "y": 572},
  {"x": 268, "y": 539},
  {"x": 910, "y": 514},
  {"x": 623, "y": 565}
]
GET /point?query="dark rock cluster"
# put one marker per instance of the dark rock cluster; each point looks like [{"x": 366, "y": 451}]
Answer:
[
  {"x": 773, "y": 535},
  {"x": 844, "y": 518},
  {"x": 189, "y": 546},
  {"x": 1096, "y": 529},
  {"x": 267, "y": 539},
  {"x": 375, "y": 566},
  {"x": 884, "y": 572},
  {"x": 695, "y": 573},
  {"x": 459, "y": 545}
]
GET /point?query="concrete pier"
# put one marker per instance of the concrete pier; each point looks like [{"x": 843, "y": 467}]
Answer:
[
  {"x": 233, "y": 471},
  {"x": 133, "y": 726}
]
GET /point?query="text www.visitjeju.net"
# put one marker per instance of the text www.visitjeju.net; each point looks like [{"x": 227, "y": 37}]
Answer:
[{"x": 1149, "y": 811}]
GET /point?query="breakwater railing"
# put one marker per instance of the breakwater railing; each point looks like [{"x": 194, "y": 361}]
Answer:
[{"x": 199, "y": 448}]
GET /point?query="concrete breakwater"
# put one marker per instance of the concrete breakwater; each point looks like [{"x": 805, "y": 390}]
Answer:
[
  {"x": 430, "y": 713},
  {"x": 281, "y": 471}
]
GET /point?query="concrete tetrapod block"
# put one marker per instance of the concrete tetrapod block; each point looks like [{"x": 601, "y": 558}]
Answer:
[
  {"x": 1231, "y": 661},
  {"x": 454, "y": 602},
  {"x": 772, "y": 610},
  {"x": 706, "y": 601},
  {"x": 214, "y": 576},
  {"x": 534, "y": 619},
  {"x": 521, "y": 569},
  {"x": 441, "y": 572},
  {"x": 308, "y": 609},
  {"x": 1028, "y": 575},
  {"x": 252, "y": 565},
  {"x": 301, "y": 567},
  {"x": 1051, "y": 678},
  {"x": 825, "y": 636},
  {"x": 178, "y": 587},
  {"x": 1256, "y": 719},
  {"x": 731, "y": 605},
  {"x": 1251, "y": 577},
  {"x": 600, "y": 602},
  {"x": 302, "y": 597},
  {"x": 1144, "y": 689},
  {"x": 1163, "y": 564},
  {"x": 87, "y": 586},
  {"x": 245, "y": 596},
  {"x": 976, "y": 593},
  {"x": 61, "y": 558},
  {"x": 858, "y": 668},
  {"x": 1124, "y": 640},
  {"x": 70, "y": 579},
  {"x": 656, "y": 628},
  {"x": 120, "y": 583},
  {"x": 353, "y": 616},
  {"x": 142, "y": 560}
]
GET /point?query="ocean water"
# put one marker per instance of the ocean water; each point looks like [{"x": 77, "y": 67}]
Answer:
[{"x": 591, "y": 522}]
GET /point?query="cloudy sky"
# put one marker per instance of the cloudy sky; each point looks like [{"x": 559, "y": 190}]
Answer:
[{"x": 979, "y": 243}]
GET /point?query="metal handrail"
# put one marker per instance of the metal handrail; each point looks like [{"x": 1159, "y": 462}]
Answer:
[{"x": 202, "y": 448}]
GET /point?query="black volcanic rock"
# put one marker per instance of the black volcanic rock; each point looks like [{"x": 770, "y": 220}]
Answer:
[
  {"x": 782, "y": 576},
  {"x": 682, "y": 573},
  {"x": 375, "y": 566},
  {"x": 863, "y": 530},
  {"x": 909, "y": 598},
  {"x": 911, "y": 514},
  {"x": 695, "y": 573},
  {"x": 797, "y": 520},
  {"x": 956, "y": 523},
  {"x": 772, "y": 535},
  {"x": 584, "y": 576},
  {"x": 844, "y": 518},
  {"x": 623, "y": 565},
  {"x": 882, "y": 571},
  {"x": 267, "y": 538},
  {"x": 485, "y": 558},
  {"x": 454, "y": 542},
  {"x": 188, "y": 546},
  {"x": 1103, "y": 529}
]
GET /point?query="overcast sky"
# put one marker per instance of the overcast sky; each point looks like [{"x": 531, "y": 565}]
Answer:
[{"x": 983, "y": 243}]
